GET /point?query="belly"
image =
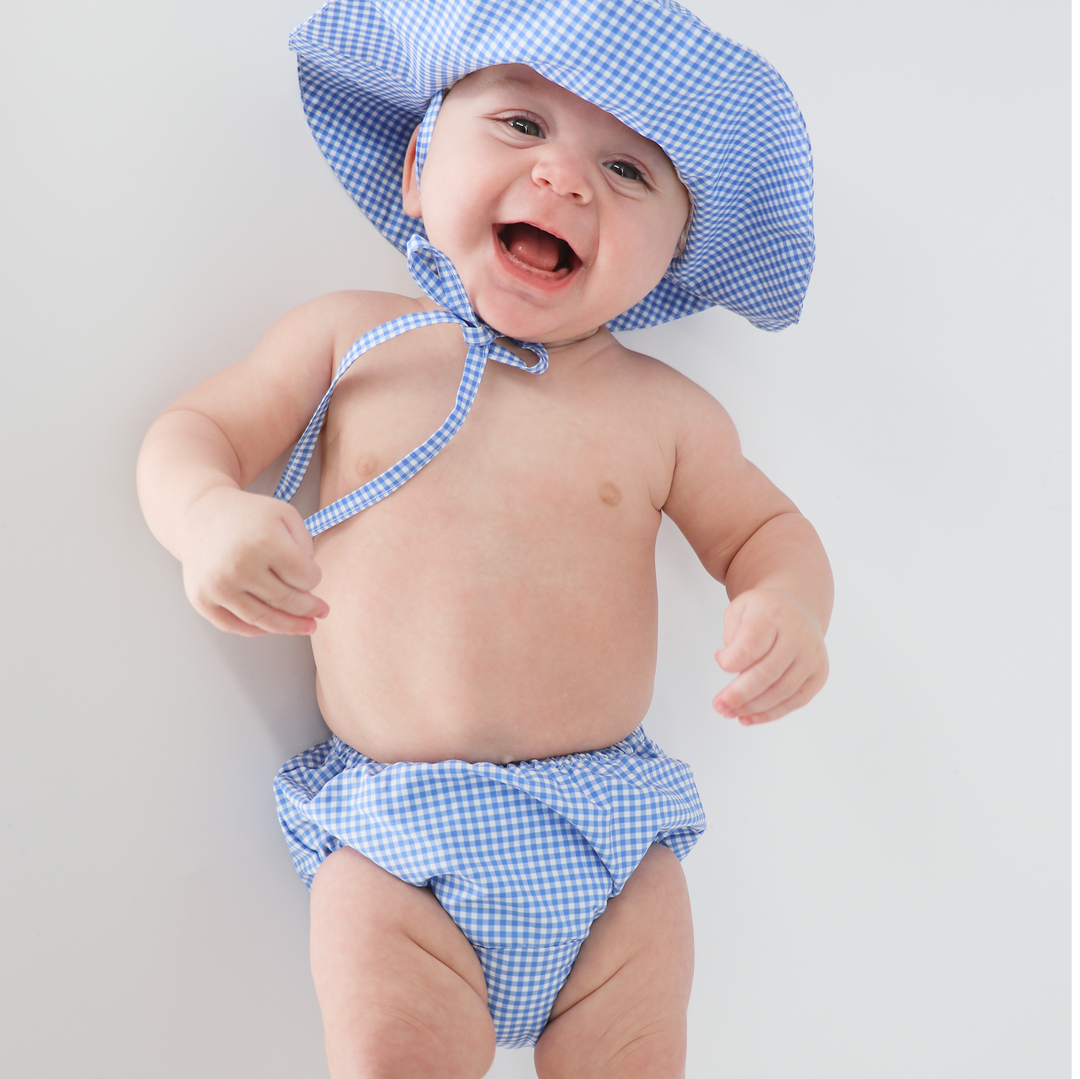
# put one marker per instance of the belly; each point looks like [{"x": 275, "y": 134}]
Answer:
[{"x": 464, "y": 625}]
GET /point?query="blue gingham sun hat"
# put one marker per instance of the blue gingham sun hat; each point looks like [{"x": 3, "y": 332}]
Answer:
[{"x": 371, "y": 69}]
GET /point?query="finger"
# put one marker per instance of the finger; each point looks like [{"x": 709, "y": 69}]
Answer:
[
  {"x": 750, "y": 640},
  {"x": 776, "y": 692},
  {"x": 801, "y": 696},
  {"x": 769, "y": 681},
  {"x": 276, "y": 593},
  {"x": 228, "y": 621},
  {"x": 254, "y": 612}
]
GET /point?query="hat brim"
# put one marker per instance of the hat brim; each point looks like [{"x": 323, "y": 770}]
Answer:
[{"x": 368, "y": 69}]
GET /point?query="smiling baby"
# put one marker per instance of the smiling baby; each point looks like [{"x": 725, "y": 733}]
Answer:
[{"x": 491, "y": 840}]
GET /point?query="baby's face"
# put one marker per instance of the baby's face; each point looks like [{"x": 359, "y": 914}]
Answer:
[{"x": 557, "y": 216}]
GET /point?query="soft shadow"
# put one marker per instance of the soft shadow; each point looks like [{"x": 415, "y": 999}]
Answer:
[
  {"x": 278, "y": 675},
  {"x": 277, "y": 672}
]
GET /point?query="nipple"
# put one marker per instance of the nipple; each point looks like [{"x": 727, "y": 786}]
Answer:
[
  {"x": 609, "y": 493},
  {"x": 366, "y": 466}
]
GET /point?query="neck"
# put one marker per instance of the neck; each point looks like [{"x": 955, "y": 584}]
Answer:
[{"x": 553, "y": 346}]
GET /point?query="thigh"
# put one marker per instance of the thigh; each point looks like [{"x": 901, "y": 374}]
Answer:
[
  {"x": 622, "y": 1011},
  {"x": 400, "y": 987}
]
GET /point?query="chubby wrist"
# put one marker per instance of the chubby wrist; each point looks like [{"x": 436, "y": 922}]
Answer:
[
  {"x": 785, "y": 594},
  {"x": 784, "y": 556},
  {"x": 197, "y": 518}
]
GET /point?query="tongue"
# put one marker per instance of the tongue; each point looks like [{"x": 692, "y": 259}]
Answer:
[{"x": 532, "y": 246}]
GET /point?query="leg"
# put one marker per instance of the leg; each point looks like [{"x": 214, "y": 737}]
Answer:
[
  {"x": 622, "y": 1011},
  {"x": 401, "y": 990}
]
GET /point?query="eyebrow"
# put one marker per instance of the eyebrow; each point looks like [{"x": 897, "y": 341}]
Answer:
[{"x": 509, "y": 79}]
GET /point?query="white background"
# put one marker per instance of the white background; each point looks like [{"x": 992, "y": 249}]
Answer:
[{"x": 883, "y": 888}]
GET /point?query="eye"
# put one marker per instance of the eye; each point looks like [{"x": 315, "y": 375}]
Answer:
[
  {"x": 625, "y": 170},
  {"x": 526, "y": 126}
]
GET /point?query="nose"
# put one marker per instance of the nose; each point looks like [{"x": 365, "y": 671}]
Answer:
[{"x": 563, "y": 174}]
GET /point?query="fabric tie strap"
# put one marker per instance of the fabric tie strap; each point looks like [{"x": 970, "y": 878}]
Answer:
[{"x": 434, "y": 273}]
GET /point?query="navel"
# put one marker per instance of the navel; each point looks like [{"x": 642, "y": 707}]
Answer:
[{"x": 609, "y": 493}]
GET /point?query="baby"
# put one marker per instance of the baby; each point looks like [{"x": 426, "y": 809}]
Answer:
[{"x": 491, "y": 841}]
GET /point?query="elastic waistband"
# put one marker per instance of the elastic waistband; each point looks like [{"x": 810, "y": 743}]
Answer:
[{"x": 636, "y": 744}]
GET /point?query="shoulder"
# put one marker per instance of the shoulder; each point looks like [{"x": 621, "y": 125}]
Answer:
[
  {"x": 345, "y": 316},
  {"x": 682, "y": 408}
]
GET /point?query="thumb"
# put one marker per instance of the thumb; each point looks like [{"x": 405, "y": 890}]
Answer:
[
  {"x": 297, "y": 529},
  {"x": 727, "y": 657},
  {"x": 295, "y": 563}
]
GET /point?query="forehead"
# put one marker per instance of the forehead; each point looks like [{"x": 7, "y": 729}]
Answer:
[{"x": 509, "y": 76}]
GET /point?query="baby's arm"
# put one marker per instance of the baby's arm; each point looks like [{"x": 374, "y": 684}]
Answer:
[
  {"x": 248, "y": 559},
  {"x": 751, "y": 537}
]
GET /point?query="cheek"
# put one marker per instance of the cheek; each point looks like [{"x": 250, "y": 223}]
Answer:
[
  {"x": 645, "y": 252},
  {"x": 456, "y": 211}
]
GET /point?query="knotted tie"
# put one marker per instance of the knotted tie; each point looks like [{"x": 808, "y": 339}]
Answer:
[{"x": 434, "y": 273}]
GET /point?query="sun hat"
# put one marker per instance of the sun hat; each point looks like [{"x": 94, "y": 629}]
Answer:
[{"x": 371, "y": 70}]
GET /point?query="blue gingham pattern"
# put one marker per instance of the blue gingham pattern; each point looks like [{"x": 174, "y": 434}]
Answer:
[
  {"x": 523, "y": 857},
  {"x": 436, "y": 276},
  {"x": 423, "y": 136},
  {"x": 369, "y": 68}
]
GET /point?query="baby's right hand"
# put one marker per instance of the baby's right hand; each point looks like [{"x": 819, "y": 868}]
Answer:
[{"x": 249, "y": 564}]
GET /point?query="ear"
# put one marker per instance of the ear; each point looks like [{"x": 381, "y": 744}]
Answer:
[
  {"x": 680, "y": 247},
  {"x": 410, "y": 189}
]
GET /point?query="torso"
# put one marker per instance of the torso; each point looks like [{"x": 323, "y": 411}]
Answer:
[{"x": 501, "y": 605}]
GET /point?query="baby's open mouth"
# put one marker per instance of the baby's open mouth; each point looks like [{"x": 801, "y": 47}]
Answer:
[{"x": 537, "y": 251}]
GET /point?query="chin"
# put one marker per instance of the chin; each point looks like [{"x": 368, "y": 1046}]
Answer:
[
  {"x": 524, "y": 318},
  {"x": 516, "y": 306},
  {"x": 536, "y": 328},
  {"x": 521, "y": 330}
]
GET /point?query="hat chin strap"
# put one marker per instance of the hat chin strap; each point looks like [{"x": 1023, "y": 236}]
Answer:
[
  {"x": 436, "y": 276},
  {"x": 423, "y": 137}
]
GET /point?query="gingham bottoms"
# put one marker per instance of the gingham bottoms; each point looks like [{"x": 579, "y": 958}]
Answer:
[{"x": 523, "y": 857}]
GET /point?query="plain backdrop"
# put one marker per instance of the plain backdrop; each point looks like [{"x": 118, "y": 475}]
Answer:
[{"x": 883, "y": 888}]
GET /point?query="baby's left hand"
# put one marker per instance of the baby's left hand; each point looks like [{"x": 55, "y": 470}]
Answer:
[{"x": 774, "y": 642}]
